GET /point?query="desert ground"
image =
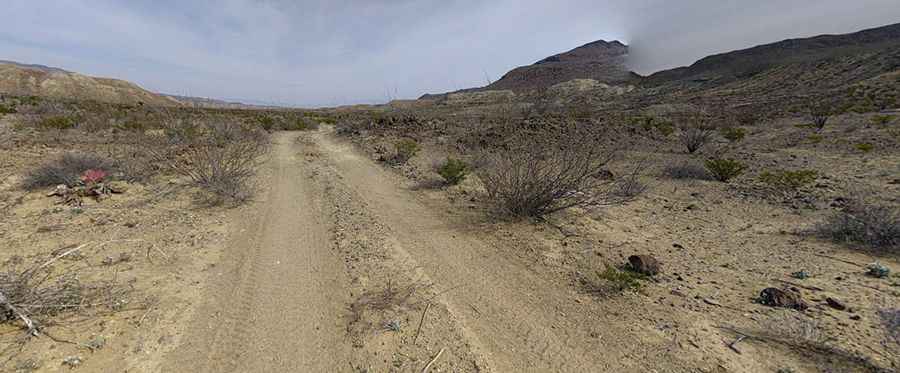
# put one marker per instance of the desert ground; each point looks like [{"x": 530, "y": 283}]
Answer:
[{"x": 340, "y": 252}]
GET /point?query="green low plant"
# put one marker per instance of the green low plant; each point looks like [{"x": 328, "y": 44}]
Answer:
[
  {"x": 864, "y": 147},
  {"x": 7, "y": 109},
  {"x": 882, "y": 120},
  {"x": 733, "y": 134},
  {"x": 406, "y": 150},
  {"x": 59, "y": 122},
  {"x": 788, "y": 181},
  {"x": 618, "y": 280},
  {"x": 814, "y": 138},
  {"x": 266, "y": 122},
  {"x": 725, "y": 169},
  {"x": 454, "y": 171}
]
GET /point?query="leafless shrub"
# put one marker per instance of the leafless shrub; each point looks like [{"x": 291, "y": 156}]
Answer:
[
  {"x": 534, "y": 176},
  {"x": 221, "y": 158},
  {"x": 66, "y": 169},
  {"x": 871, "y": 224},
  {"x": 33, "y": 296},
  {"x": 686, "y": 170},
  {"x": 695, "y": 136},
  {"x": 372, "y": 307}
]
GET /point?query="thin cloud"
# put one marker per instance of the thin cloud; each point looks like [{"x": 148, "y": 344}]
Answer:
[{"x": 338, "y": 52}]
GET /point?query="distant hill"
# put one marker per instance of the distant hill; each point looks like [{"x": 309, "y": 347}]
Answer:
[
  {"x": 211, "y": 103},
  {"x": 38, "y": 80},
  {"x": 859, "y": 70}
]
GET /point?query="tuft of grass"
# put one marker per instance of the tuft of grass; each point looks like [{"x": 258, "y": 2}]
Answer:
[
  {"x": 4, "y": 109},
  {"x": 733, "y": 134},
  {"x": 864, "y": 147},
  {"x": 454, "y": 171},
  {"x": 725, "y": 169},
  {"x": 615, "y": 281}
]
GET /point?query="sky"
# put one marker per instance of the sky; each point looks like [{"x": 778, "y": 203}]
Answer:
[{"x": 327, "y": 53}]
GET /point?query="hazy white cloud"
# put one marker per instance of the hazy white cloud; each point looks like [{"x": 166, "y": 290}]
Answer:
[{"x": 342, "y": 51}]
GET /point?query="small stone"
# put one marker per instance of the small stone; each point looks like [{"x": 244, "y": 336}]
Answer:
[
  {"x": 775, "y": 297},
  {"x": 644, "y": 264}
]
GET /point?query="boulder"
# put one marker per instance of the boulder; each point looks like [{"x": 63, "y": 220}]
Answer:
[
  {"x": 775, "y": 297},
  {"x": 644, "y": 264}
]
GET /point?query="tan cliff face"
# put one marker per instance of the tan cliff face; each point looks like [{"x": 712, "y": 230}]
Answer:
[{"x": 36, "y": 80}]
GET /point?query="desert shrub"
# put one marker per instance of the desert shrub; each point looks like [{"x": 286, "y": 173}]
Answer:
[
  {"x": 630, "y": 186},
  {"x": 67, "y": 170},
  {"x": 7, "y": 109},
  {"x": 58, "y": 122},
  {"x": 266, "y": 122},
  {"x": 814, "y": 138},
  {"x": 864, "y": 147},
  {"x": 405, "y": 149},
  {"x": 454, "y": 171},
  {"x": 725, "y": 169},
  {"x": 877, "y": 226},
  {"x": 695, "y": 137},
  {"x": 221, "y": 158},
  {"x": 537, "y": 175},
  {"x": 882, "y": 120},
  {"x": 648, "y": 124},
  {"x": 613, "y": 281},
  {"x": 788, "y": 181},
  {"x": 686, "y": 170},
  {"x": 819, "y": 113},
  {"x": 733, "y": 134}
]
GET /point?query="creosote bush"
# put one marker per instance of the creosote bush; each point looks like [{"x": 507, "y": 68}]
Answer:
[
  {"x": 66, "y": 170},
  {"x": 788, "y": 181},
  {"x": 534, "y": 176},
  {"x": 870, "y": 224},
  {"x": 405, "y": 149},
  {"x": 454, "y": 171},
  {"x": 725, "y": 169},
  {"x": 220, "y": 157}
]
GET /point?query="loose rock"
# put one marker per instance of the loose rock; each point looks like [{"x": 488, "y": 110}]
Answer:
[
  {"x": 644, "y": 264},
  {"x": 775, "y": 297}
]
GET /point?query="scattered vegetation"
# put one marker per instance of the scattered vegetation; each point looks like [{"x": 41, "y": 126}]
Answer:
[
  {"x": 725, "y": 169},
  {"x": 819, "y": 114},
  {"x": 454, "y": 171},
  {"x": 533, "y": 177},
  {"x": 405, "y": 149},
  {"x": 786, "y": 181},
  {"x": 58, "y": 122},
  {"x": 65, "y": 170},
  {"x": 877, "y": 226},
  {"x": 882, "y": 120}
]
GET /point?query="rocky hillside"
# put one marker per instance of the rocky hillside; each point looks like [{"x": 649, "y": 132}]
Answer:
[
  {"x": 37, "y": 80},
  {"x": 601, "y": 61},
  {"x": 858, "y": 70}
]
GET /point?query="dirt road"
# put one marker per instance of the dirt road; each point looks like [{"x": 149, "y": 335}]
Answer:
[{"x": 277, "y": 301}]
